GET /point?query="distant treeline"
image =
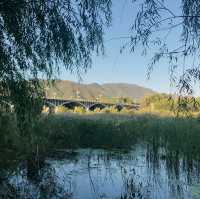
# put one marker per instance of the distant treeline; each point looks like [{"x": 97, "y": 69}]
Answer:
[{"x": 165, "y": 102}]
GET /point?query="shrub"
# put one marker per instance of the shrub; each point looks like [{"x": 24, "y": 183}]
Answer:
[
  {"x": 45, "y": 109},
  {"x": 97, "y": 110},
  {"x": 61, "y": 109},
  {"x": 111, "y": 109},
  {"x": 79, "y": 109}
]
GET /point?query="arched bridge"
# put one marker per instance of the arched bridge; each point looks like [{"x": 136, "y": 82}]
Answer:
[
  {"x": 87, "y": 104},
  {"x": 72, "y": 103}
]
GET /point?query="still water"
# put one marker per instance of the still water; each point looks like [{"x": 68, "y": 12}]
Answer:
[{"x": 102, "y": 174}]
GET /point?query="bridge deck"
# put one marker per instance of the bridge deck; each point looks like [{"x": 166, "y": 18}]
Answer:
[
  {"x": 90, "y": 102},
  {"x": 84, "y": 102}
]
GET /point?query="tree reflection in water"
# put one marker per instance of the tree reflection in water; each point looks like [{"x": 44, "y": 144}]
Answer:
[{"x": 99, "y": 174}]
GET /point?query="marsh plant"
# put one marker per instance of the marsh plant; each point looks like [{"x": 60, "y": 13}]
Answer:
[{"x": 176, "y": 135}]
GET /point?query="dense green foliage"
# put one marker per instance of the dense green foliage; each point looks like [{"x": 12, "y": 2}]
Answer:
[
  {"x": 158, "y": 102},
  {"x": 168, "y": 103},
  {"x": 178, "y": 136},
  {"x": 38, "y": 37}
]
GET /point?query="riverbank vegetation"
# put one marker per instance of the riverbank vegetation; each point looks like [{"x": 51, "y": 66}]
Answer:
[
  {"x": 177, "y": 136},
  {"x": 156, "y": 125}
]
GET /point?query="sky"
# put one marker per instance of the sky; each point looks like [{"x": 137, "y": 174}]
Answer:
[{"x": 114, "y": 67}]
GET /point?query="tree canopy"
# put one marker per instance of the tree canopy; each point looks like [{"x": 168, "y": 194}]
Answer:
[{"x": 38, "y": 37}]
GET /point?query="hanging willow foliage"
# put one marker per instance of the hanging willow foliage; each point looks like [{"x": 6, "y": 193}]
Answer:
[
  {"x": 156, "y": 23},
  {"x": 38, "y": 37}
]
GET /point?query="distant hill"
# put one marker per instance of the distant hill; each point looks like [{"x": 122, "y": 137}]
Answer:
[{"x": 64, "y": 89}]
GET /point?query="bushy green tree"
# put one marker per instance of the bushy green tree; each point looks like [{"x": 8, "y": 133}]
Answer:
[
  {"x": 164, "y": 102},
  {"x": 125, "y": 100},
  {"x": 158, "y": 102}
]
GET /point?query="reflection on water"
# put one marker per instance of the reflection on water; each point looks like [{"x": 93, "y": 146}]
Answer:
[{"x": 100, "y": 174}]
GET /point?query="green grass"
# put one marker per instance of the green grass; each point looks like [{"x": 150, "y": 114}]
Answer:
[{"x": 178, "y": 136}]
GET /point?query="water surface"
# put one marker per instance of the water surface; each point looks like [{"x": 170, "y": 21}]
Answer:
[{"x": 102, "y": 174}]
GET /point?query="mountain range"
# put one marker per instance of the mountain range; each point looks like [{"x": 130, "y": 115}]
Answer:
[{"x": 64, "y": 89}]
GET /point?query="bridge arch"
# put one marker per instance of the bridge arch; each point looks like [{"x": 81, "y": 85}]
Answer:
[
  {"x": 49, "y": 104},
  {"x": 97, "y": 105},
  {"x": 119, "y": 107},
  {"x": 73, "y": 104}
]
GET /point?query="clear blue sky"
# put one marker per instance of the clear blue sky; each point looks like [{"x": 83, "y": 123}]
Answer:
[{"x": 126, "y": 67}]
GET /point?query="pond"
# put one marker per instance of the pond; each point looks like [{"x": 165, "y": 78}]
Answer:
[{"x": 102, "y": 174}]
